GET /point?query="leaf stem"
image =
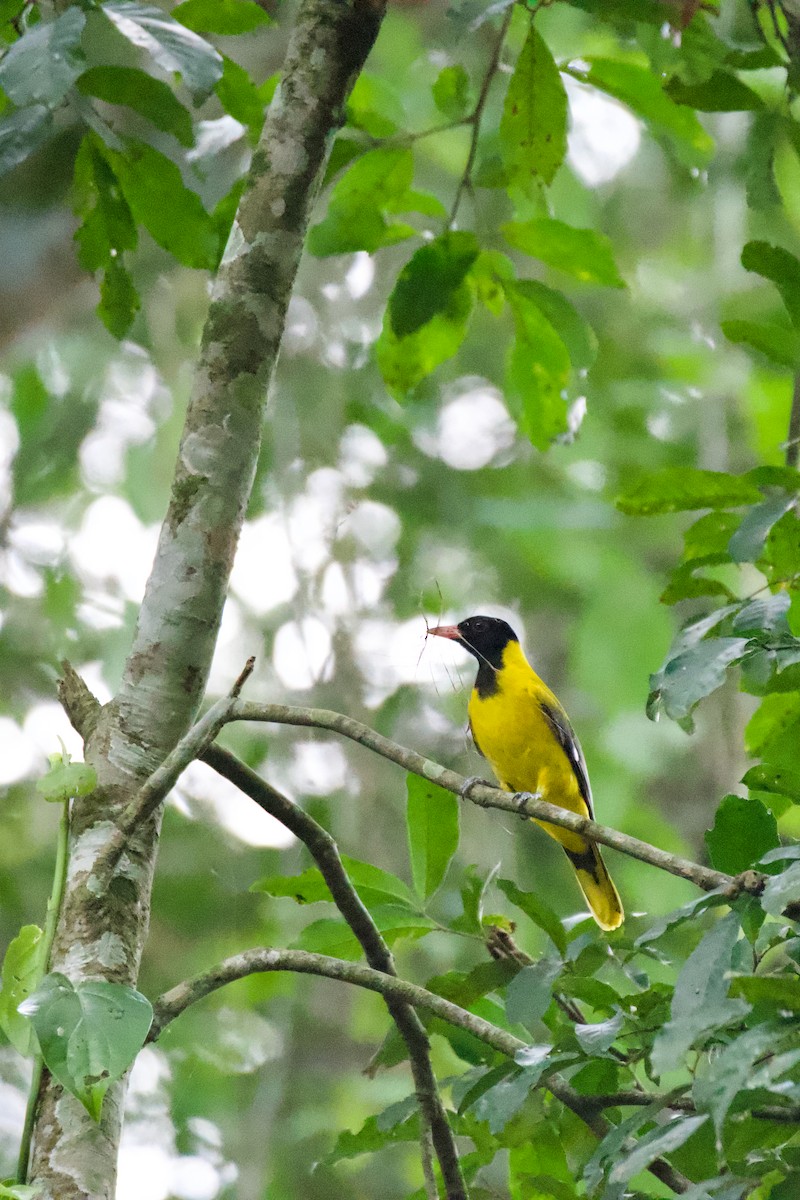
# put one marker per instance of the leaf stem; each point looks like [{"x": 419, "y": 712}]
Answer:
[{"x": 51, "y": 921}]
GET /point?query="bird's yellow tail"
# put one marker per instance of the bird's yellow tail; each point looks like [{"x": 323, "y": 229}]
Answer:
[{"x": 597, "y": 886}]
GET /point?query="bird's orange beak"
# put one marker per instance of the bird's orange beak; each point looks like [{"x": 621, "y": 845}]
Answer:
[{"x": 446, "y": 631}]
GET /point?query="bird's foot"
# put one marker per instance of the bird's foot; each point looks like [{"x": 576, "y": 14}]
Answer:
[
  {"x": 470, "y": 783},
  {"x": 521, "y": 798}
]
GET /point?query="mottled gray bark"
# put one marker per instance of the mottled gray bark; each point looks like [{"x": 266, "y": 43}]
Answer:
[{"x": 102, "y": 929}]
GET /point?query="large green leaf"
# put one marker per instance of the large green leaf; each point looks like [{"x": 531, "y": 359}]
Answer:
[
  {"x": 150, "y": 97},
  {"x": 170, "y": 44},
  {"x": 700, "y": 1003},
  {"x": 405, "y": 361},
  {"x": 21, "y": 132},
  {"x": 721, "y": 92},
  {"x": 747, "y": 543},
  {"x": 730, "y": 1070},
  {"x": 781, "y": 267},
  {"x": 691, "y": 675},
  {"x": 42, "y": 66},
  {"x": 426, "y": 284},
  {"x": 221, "y": 16},
  {"x": 89, "y": 1033},
  {"x": 538, "y": 910},
  {"x": 779, "y": 344},
  {"x": 576, "y": 334},
  {"x": 22, "y": 970},
  {"x": 743, "y": 830},
  {"x": 533, "y": 127},
  {"x": 432, "y": 820},
  {"x": 378, "y": 182},
  {"x": 678, "y": 489},
  {"x": 654, "y": 1144},
  {"x": 584, "y": 253},
  {"x": 538, "y": 371}
]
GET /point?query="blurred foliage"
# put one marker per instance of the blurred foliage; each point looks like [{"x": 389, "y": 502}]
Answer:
[{"x": 550, "y": 302}]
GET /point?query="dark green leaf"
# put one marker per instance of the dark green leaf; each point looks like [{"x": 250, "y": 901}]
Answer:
[
  {"x": 66, "y": 779},
  {"x": 171, "y": 45},
  {"x": 108, "y": 226},
  {"x": 451, "y": 92},
  {"x": 721, "y": 92},
  {"x": 538, "y": 910},
  {"x": 781, "y": 781},
  {"x": 239, "y": 96},
  {"x": 678, "y": 489},
  {"x": 221, "y": 16},
  {"x": 747, "y": 543},
  {"x": 426, "y": 284},
  {"x": 533, "y": 127},
  {"x": 779, "y": 344},
  {"x": 119, "y": 299},
  {"x": 529, "y": 993},
  {"x": 405, "y": 362},
  {"x": 778, "y": 265},
  {"x": 432, "y": 820},
  {"x": 22, "y": 969},
  {"x": 584, "y": 253},
  {"x": 42, "y": 66},
  {"x": 695, "y": 673},
  {"x": 137, "y": 90},
  {"x": 20, "y": 134},
  {"x": 700, "y": 1003},
  {"x": 173, "y": 215},
  {"x": 743, "y": 830},
  {"x": 89, "y": 1033},
  {"x": 640, "y": 88}
]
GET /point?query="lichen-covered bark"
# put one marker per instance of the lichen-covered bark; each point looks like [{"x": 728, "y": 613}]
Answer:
[{"x": 102, "y": 930}]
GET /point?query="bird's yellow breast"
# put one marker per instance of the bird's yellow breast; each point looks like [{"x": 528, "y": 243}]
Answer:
[{"x": 512, "y": 731}]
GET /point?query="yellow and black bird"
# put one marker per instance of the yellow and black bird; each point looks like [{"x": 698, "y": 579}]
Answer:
[{"x": 520, "y": 727}]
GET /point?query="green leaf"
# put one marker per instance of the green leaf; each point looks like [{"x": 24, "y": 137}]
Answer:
[
  {"x": 774, "y": 991},
  {"x": 584, "y": 253},
  {"x": 533, "y": 127},
  {"x": 171, "y": 45},
  {"x": 307, "y": 888},
  {"x": 779, "y": 344},
  {"x": 150, "y": 97},
  {"x": 330, "y": 935},
  {"x": 66, "y": 779},
  {"x": 779, "y": 266},
  {"x": 239, "y": 96},
  {"x": 690, "y": 676},
  {"x": 119, "y": 299},
  {"x": 227, "y": 17},
  {"x": 747, "y": 543},
  {"x": 576, "y": 334},
  {"x": 781, "y": 781},
  {"x": 172, "y": 214},
  {"x": 21, "y": 132},
  {"x": 729, "y": 1071},
  {"x": 89, "y": 1033},
  {"x": 687, "y": 912},
  {"x": 373, "y": 885},
  {"x": 743, "y": 830},
  {"x": 773, "y": 726},
  {"x": 765, "y": 615},
  {"x": 108, "y": 226},
  {"x": 451, "y": 92},
  {"x": 432, "y": 821},
  {"x": 426, "y": 284},
  {"x": 538, "y": 371},
  {"x": 700, "y": 1003},
  {"x": 22, "y": 970},
  {"x": 678, "y": 489},
  {"x": 640, "y": 88},
  {"x": 654, "y": 1144},
  {"x": 372, "y": 1136},
  {"x": 376, "y": 183},
  {"x": 781, "y": 890},
  {"x": 43, "y": 64},
  {"x": 498, "y": 1104},
  {"x": 405, "y": 362},
  {"x": 721, "y": 92},
  {"x": 374, "y": 106},
  {"x": 597, "y": 1038},
  {"x": 529, "y": 993},
  {"x": 538, "y": 910}
]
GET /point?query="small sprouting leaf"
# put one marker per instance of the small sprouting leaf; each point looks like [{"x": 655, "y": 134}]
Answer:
[
  {"x": 22, "y": 970},
  {"x": 700, "y": 1002},
  {"x": 227, "y": 17},
  {"x": 426, "y": 284},
  {"x": 743, "y": 830},
  {"x": 43, "y": 64},
  {"x": 89, "y": 1033},
  {"x": 170, "y": 44},
  {"x": 678, "y": 489},
  {"x": 451, "y": 92},
  {"x": 432, "y": 820},
  {"x": 779, "y": 266},
  {"x": 66, "y": 779},
  {"x": 533, "y": 127},
  {"x": 584, "y": 253}
]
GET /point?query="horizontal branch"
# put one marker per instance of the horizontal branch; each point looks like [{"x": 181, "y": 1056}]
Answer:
[
  {"x": 172, "y": 1003},
  {"x": 486, "y": 796}
]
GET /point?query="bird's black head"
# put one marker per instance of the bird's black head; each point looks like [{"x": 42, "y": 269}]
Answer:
[{"x": 485, "y": 637}]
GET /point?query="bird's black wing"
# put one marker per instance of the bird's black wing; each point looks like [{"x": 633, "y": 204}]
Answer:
[{"x": 565, "y": 735}]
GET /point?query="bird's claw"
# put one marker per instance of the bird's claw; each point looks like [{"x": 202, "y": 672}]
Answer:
[{"x": 470, "y": 783}]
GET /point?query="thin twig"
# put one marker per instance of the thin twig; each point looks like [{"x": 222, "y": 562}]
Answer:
[
  {"x": 486, "y": 796},
  {"x": 475, "y": 117},
  {"x": 178, "y": 999},
  {"x": 324, "y": 851},
  {"x": 165, "y": 776}
]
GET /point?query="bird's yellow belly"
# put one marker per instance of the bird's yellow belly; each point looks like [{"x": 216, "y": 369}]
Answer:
[{"x": 524, "y": 754}]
